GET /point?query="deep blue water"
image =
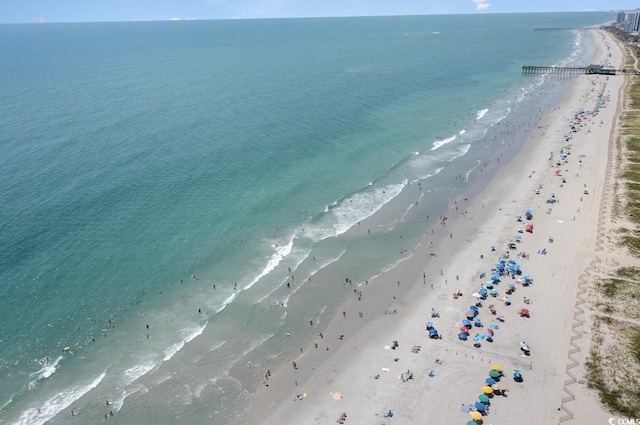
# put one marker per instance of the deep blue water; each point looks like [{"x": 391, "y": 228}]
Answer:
[{"x": 135, "y": 155}]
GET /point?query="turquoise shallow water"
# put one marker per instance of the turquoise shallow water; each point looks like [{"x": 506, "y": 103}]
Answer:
[{"x": 135, "y": 155}]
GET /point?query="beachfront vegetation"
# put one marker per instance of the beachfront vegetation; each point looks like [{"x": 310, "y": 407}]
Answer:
[
  {"x": 615, "y": 351},
  {"x": 620, "y": 297},
  {"x": 615, "y": 348},
  {"x": 629, "y": 142}
]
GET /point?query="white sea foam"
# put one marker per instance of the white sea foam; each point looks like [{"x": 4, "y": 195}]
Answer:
[
  {"x": 217, "y": 345},
  {"x": 171, "y": 351},
  {"x": 461, "y": 151},
  {"x": 352, "y": 210},
  {"x": 7, "y": 403},
  {"x": 136, "y": 372},
  {"x": 281, "y": 253},
  {"x": 226, "y": 302},
  {"x": 466, "y": 176},
  {"x": 160, "y": 379},
  {"x": 431, "y": 173},
  {"x": 297, "y": 257},
  {"x": 481, "y": 113},
  {"x": 48, "y": 368},
  {"x": 56, "y": 404},
  {"x": 323, "y": 263},
  {"x": 252, "y": 346},
  {"x": 119, "y": 402},
  {"x": 440, "y": 143}
]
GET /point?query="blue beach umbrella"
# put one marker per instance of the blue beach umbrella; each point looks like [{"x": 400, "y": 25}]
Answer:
[
  {"x": 466, "y": 323},
  {"x": 494, "y": 292},
  {"x": 480, "y": 407},
  {"x": 463, "y": 336},
  {"x": 490, "y": 381}
]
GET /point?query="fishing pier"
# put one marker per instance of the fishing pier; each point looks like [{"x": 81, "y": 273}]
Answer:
[{"x": 571, "y": 70}]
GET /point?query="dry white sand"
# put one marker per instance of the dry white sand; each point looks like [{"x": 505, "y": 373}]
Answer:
[{"x": 349, "y": 366}]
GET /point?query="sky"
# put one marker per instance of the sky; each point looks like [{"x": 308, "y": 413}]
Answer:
[{"x": 40, "y": 11}]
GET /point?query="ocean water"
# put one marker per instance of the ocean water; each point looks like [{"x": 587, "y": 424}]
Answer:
[{"x": 143, "y": 163}]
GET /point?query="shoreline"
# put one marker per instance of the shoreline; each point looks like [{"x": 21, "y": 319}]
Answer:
[{"x": 349, "y": 364}]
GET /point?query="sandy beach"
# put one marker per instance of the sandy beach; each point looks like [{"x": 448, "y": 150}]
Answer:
[{"x": 352, "y": 365}]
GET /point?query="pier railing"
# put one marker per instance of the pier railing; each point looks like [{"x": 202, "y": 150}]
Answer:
[{"x": 569, "y": 71}]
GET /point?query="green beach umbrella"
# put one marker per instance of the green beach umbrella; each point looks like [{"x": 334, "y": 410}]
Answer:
[
  {"x": 472, "y": 423},
  {"x": 483, "y": 398},
  {"x": 494, "y": 374}
]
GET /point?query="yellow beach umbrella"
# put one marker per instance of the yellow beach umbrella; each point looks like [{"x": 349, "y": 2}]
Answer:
[
  {"x": 496, "y": 367},
  {"x": 476, "y": 416},
  {"x": 487, "y": 389}
]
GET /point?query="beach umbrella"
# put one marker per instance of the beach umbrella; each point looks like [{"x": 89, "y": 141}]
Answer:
[
  {"x": 470, "y": 315},
  {"x": 433, "y": 332},
  {"x": 476, "y": 416},
  {"x": 480, "y": 407},
  {"x": 483, "y": 398},
  {"x": 494, "y": 374},
  {"x": 495, "y": 387},
  {"x": 466, "y": 323},
  {"x": 489, "y": 284},
  {"x": 490, "y": 381},
  {"x": 463, "y": 336},
  {"x": 487, "y": 389},
  {"x": 476, "y": 295},
  {"x": 464, "y": 329},
  {"x": 496, "y": 367},
  {"x": 473, "y": 308},
  {"x": 524, "y": 311},
  {"x": 494, "y": 292},
  {"x": 472, "y": 423},
  {"x": 490, "y": 331}
]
